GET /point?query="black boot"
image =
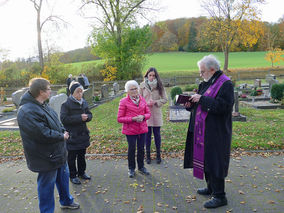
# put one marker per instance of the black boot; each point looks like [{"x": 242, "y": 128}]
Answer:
[
  {"x": 148, "y": 154},
  {"x": 158, "y": 157}
]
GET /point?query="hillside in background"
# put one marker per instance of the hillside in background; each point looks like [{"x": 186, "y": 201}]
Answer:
[
  {"x": 186, "y": 35},
  {"x": 78, "y": 55}
]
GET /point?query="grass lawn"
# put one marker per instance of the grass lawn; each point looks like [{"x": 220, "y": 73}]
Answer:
[
  {"x": 263, "y": 130},
  {"x": 185, "y": 63}
]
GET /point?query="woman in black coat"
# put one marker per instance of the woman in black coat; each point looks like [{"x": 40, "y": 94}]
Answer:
[{"x": 74, "y": 115}]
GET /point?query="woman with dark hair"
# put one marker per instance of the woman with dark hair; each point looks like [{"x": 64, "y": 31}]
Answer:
[{"x": 155, "y": 95}]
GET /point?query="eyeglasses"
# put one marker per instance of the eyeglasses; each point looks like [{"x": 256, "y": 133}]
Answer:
[
  {"x": 48, "y": 89},
  {"x": 133, "y": 89}
]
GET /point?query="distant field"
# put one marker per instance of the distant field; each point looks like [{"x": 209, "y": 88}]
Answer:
[{"x": 184, "y": 63}]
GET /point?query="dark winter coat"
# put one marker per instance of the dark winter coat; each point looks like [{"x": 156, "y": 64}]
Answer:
[
  {"x": 218, "y": 128},
  {"x": 42, "y": 135},
  {"x": 70, "y": 116},
  {"x": 81, "y": 81}
]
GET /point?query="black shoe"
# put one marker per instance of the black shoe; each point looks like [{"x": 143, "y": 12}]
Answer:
[
  {"x": 75, "y": 180},
  {"x": 148, "y": 161},
  {"x": 144, "y": 171},
  {"x": 215, "y": 202},
  {"x": 85, "y": 177},
  {"x": 73, "y": 205},
  {"x": 158, "y": 160},
  {"x": 203, "y": 191},
  {"x": 131, "y": 173}
]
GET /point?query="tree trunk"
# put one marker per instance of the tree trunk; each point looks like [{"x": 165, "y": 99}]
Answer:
[
  {"x": 226, "y": 62},
  {"x": 40, "y": 54}
]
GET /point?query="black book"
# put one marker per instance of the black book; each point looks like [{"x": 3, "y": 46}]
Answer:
[{"x": 182, "y": 98}]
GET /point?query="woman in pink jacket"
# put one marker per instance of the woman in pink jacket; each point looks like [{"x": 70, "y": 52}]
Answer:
[{"x": 133, "y": 113}]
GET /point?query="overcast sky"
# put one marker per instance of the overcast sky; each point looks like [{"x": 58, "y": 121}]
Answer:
[{"x": 18, "y": 23}]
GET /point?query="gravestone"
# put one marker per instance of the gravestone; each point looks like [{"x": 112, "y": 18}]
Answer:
[
  {"x": 236, "y": 105},
  {"x": 236, "y": 116},
  {"x": 56, "y": 101},
  {"x": 197, "y": 81},
  {"x": 88, "y": 95},
  {"x": 16, "y": 96},
  {"x": 104, "y": 91},
  {"x": 257, "y": 83},
  {"x": 268, "y": 77},
  {"x": 243, "y": 86},
  {"x": 115, "y": 88},
  {"x": 271, "y": 82}
]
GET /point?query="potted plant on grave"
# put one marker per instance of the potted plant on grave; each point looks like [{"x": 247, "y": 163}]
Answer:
[
  {"x": 259, "y": 91},
  {"x": 253, "y": 93}
]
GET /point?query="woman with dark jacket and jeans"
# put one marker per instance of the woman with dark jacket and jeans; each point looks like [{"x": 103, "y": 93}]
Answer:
[{"x": 74, "y": 115}]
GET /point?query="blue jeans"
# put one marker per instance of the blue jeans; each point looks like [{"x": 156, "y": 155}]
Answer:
[{"x": 45, "y": 188}]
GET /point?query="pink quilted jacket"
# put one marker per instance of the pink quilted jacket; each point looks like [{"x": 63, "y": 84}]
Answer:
[{"x": 126, "y": 110}]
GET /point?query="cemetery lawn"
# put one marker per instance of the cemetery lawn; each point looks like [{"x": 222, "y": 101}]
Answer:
[{"x": 264, "y": 130}]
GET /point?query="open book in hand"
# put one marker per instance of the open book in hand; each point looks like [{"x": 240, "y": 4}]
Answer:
[{"x": 182, "y": 98}]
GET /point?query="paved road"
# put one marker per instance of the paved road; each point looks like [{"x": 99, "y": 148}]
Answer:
[{"x": 254, "y": 184}]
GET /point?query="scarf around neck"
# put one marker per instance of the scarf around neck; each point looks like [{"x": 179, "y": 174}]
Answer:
[
  {"x": 135, "y": 100},
  {"x": 151, "y": 84},
  {"x": 77, "y": 101}
]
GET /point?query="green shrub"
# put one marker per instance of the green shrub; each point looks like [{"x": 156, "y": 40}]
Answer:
[
  {"x": 62, "y": 90},
  {"x": 9, "y": 109},
  {"x": 190, "y": 87},
  {"x": 175, "y": 91},
  {"x": 97, "y": 98},
  {"x": 277, "y": 91},
  {"x": 254, "y": 93}
]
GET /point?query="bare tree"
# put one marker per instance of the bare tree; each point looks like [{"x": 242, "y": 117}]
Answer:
[
  {"x": 114, "y": 15},
  {"x": 38, "y": 5}
]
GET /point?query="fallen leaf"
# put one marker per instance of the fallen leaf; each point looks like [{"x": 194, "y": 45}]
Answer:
[
  {"x": 159, "y": 204},
  {"x": 242, "y": 202},
  {"x": 241, "y": 192},
  {"x": 271, "y": 202}
]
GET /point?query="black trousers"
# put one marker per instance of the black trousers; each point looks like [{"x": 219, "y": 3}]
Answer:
[
  {"x": 132, "y": 141},
  {"x": 215, "y": 185},
  {"x": 78, "y": 155},
  {"x": 157, "y": 138}
]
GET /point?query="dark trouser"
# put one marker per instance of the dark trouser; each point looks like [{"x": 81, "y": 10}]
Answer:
[
  {"x": 215, "y": 185},
  {"x": 157, "y": 138},
  {"x": 132, "y": 139},
  {"x": 81, "y": 162},
  {"x": 67, "y": 91}
]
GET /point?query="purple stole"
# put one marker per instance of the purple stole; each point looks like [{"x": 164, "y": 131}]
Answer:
[{"x": 199, "y": 129}]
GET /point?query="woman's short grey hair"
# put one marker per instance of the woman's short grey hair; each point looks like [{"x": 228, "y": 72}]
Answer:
[
  {"x": 209, "y": 61},
  {"x": 130, "y": 83}
]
